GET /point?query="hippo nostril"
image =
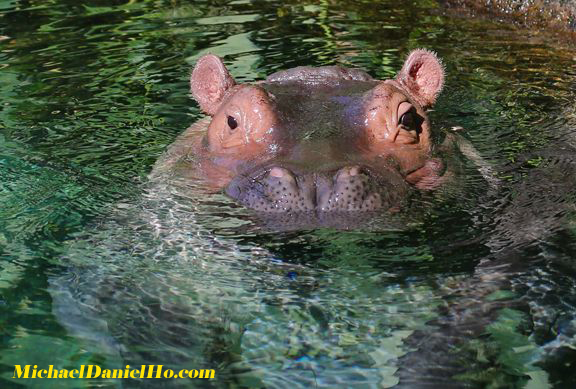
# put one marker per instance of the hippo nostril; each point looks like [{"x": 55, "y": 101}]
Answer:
[
  {"x": 283, "y": 175},
  {"x": 278, "y": 172},
  {"x": 342, "y": 175},
  {"x": 354, "y": 171},
  {"x": 345, "y": 173}
]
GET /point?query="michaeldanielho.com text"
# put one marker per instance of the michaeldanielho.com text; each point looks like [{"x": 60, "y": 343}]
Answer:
[{"x": 95, "y": 371}]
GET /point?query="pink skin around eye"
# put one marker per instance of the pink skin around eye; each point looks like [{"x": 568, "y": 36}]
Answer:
[
  {"x": 252, "y": 112},
  {"x": 385, "y": 137}
]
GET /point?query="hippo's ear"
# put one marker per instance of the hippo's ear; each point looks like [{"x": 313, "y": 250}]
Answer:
[
  {"x": 209, "y": 82},
  {"x": 423, "y": 76}
]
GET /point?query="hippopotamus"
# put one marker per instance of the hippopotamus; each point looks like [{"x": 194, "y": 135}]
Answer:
[{"x": 314, "y": 140}]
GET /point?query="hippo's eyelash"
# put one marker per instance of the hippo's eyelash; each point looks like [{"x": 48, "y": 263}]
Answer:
[{"x": 232, "y": 123}]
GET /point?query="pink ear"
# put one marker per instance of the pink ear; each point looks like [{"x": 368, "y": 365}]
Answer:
[
  {"x": 209, "y": 82},
  {"x": 423, "y": 76}
]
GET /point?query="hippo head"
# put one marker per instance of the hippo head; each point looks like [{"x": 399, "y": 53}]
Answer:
[{"x": 319, "y": 140}]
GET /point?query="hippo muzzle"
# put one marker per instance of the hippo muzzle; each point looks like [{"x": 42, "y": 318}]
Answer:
[{"x": 350, "y": 188}]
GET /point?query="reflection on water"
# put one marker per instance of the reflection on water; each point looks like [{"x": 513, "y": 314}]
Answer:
[{"x": 100, "y": 265}]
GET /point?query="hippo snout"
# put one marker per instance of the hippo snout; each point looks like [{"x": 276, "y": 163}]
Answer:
[{"x": 349, "y": 188}]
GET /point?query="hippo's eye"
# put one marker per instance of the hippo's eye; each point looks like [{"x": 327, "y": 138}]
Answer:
[
  {"x": 407, "y": 120},
  {"x": 411, "y": 120},
  {"x": 232, "y": 123}
]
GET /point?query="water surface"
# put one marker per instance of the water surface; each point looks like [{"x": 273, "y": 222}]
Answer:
[{"x": 99, "y": 265}]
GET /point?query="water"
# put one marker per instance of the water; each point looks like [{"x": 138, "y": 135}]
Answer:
[{"x": 474, "y": 287}]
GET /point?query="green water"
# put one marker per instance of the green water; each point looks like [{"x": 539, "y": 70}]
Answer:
[{"x": 98, "y": 265}]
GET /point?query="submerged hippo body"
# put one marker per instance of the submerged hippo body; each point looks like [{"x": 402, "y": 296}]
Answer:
[{"x": 315, "y": 141}]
